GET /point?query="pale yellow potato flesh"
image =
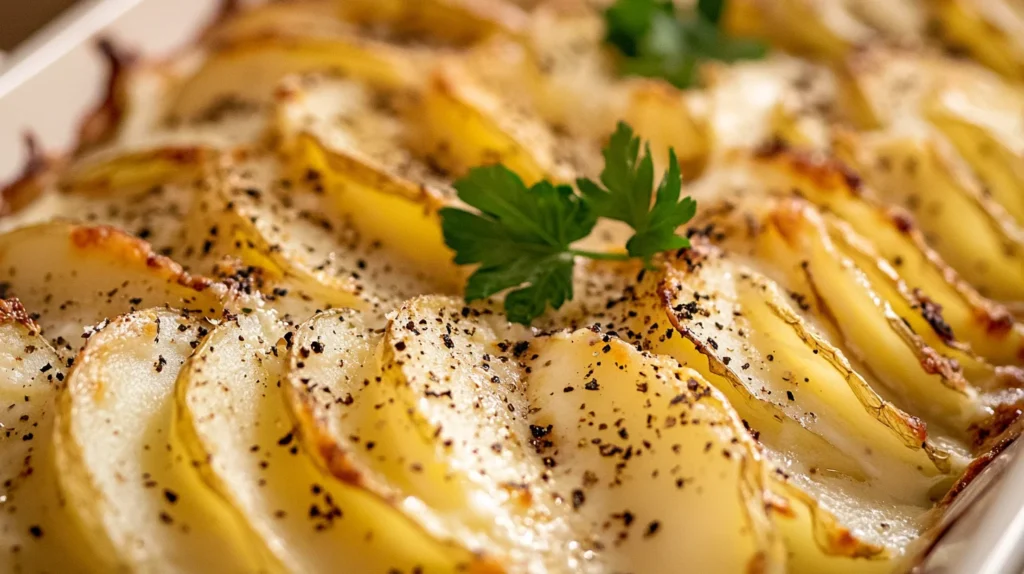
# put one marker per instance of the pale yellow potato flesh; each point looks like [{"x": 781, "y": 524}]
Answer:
[
  {"x": 990, "y": 30},
  {"x": 91, "y": 274},
  {"x": 496, "y": 476},
  {"x": 916, "y": 171},
  {"x": 37, "y": 529},
  {"x": 233, "y": 415},
  {"x": 128, "y": 478}
]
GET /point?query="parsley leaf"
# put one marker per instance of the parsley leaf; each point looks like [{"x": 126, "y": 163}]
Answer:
[
  {"x": 656, "y": 42},
  {"x": 628, "y": 179},
  {"x": 521, "y": 238}
]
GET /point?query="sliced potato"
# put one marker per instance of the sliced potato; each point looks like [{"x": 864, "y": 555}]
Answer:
[
  {"x": 78, "y": 276},
  {"x": 824, "y": 388},
  {"x": 827, "y": 29},
  {"x": 970, "y": 231},
  {"x": 128, "y": 479},
  {"x": 752, "y": 103},
  {"x": 332, "y": 128},
  {"x": 278, "y": 20},
  {"x": 990, "y": 30},
  {"x": 461, "y": 124},
  {"x": 983, "y": 121},
  {"x": 233, "y": 413},
  {"x": 249, "y": 70},
  {"x": 789, "y": 241},
  {"x": 983, "y": 323},
  {"x": 37, "y": 532},
  {"x": 452, "y": 21},
  {"x": 844, "y": 508},
  {"x": 310, "y": 254},
  {"x": 677, "y": 478},
  {"x": 483, "y": 452}
]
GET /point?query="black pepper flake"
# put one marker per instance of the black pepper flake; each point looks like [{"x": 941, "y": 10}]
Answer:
[
  {"x": 317, "y": 347},
  {"x": 789, "y": 395},
  {"x": 592, "y": 385},
  {"x": 652, "y": 528},
  {"x": 539, "y": 431},
  {"x": 285, "y": 440},
  {"x": 170, "y": 495},
  {"x": 45, "y": 368},
  {"x": 447, "y": 341},
  {"x": 400, "y": 345},
  {"x": 578, "y": 498},
  {"x": 35, "y": 531},
  {"x": 519, "y": 348}
]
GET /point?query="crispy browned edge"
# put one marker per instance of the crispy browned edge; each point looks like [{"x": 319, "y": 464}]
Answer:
[{"x": 100, "y": 123}]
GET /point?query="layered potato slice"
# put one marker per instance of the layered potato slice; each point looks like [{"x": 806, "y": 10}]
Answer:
[
  {"x": 300, "y": 245},
  {"x": 857, "y": 490},
  {"x": 919, "y": 171},
  {"x": 780, "y": 98},
  {"x": 990, "y": 30},
  {"x": 246, "y": 71},
  {"x": 458, "y": 22},
  {"x": 985, "y": 325},
  {"x": 900, "y": 344},
  {"x": 465, "y": 420},
  {"x": 146, "y": 194},
  {"x": 77, "y": 277},
  {"x": 233, "y": 416},
  {"x": 355, "y": 141},
  {"x": 559, "y": 69},
  {"x": 128, "y": 479},
  {"x": 983, "y": 121},
  {"x": 36, "y": 529},
  {"x": 828, "y": 29}
]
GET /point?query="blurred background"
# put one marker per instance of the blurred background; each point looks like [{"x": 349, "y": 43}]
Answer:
[{"x": 19, "y": 18}]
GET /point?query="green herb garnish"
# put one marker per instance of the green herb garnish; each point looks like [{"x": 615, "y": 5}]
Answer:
[
  {"x": 655, "y": 41},
  {"x": 522, "y": 237}
]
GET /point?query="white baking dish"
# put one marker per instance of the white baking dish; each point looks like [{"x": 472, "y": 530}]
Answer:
[{"x": 49, "y": 84}]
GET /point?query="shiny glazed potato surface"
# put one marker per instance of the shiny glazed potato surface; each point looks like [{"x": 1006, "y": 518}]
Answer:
[{"x": 232, "y": 338}]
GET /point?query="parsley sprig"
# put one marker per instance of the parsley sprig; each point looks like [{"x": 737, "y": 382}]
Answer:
[
  {"x": 655, "y": 41},
  {"x": 522, "y": 237}
]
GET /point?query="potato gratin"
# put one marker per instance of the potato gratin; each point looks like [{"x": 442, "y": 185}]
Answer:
[{"x": 233, "y": 339}]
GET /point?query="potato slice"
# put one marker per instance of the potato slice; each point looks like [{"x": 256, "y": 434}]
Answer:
[
  {"x": 990, "y": 30},
  {"x": 625, "y": 414},
  {"x": 824, "y": 388},
  {"x": 921, "y": 173},
  {"x": 983, "y": 323},
  {"x": 483, "y": 451},
  {"x": 277, "y": 20},
  {"x": 310, "y": 254},
  {"x": 983, "y": 121},
  {"x": 827, "y": 29},
  {"x": 751, "y": 103},
  {"x": 847, "y": 504},
  {"x": 128, "y": 479},
  {"x": 77, "y": 276},
  {"x": 249, "y": 70},
  {"x": 235, "y": 418},
  {"x": 884, "y": 86},
  {"x": 459, "y": 22},
  {"x": 37, "y": 532},
  {"x": 460, "y": 124},
  {"x": 789, "y": 241},
  {"x": 332, "y": 127}
]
